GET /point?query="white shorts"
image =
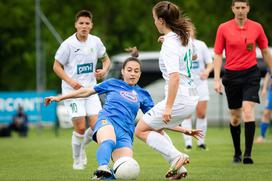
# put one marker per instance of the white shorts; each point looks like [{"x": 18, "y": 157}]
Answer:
[
  {"x": 203, "y": 90},
  {"x": 80, "y": 107},
  {"x": 182, "y": 109}
]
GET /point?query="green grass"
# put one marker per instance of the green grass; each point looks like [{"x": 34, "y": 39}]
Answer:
[{"x": 45, "y": 156}]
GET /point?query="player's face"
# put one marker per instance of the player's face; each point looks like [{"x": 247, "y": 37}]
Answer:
[
  {"x": 158, "y": 22},
  {"x": 240, "y": 10},
  {"x": 131, "y": 73},
  {"x": 83, "y": 26}
]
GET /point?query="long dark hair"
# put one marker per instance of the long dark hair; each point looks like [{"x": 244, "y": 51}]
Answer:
[{"x": 172, "y": 15}]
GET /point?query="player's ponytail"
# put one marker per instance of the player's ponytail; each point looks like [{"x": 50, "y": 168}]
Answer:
[{"x": 174, "y": 19}]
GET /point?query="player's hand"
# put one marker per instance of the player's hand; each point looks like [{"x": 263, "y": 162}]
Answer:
[
  {"x": 166, "y": 116},
  {"x": 75, "y": 85},
  {"x": 161, "y": 39},
  {"x": 263, "y": 93},
  {"x": 204, "y": 75},
  {"x": 196, "y": 133},
  {"x": 100, "y": 73},
  {"x": 50, "y": 99},
  {"x": 218, "y": 86}
]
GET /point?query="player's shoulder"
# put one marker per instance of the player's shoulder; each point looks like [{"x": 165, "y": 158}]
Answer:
[
  {"x": 227, "y": 24},
  {"x": 93, "y": 38},
  {"x": 171, "y": 37},
  {"x": 254, "y": 23},
  {"x": 171, "y": 41},
  {"x": 199, "y": 42},
  {"x": 69, "y": 41},
  {"x": 141, "y": 90},
  {"x": 114, "y": 81}
]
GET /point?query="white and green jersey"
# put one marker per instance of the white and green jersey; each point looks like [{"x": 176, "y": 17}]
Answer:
[
  {"x": 79, "y": 60},
  {"x": 174, "y": 57}
]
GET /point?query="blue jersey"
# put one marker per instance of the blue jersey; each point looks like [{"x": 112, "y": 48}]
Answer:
[{"x": 123, "y": 102}]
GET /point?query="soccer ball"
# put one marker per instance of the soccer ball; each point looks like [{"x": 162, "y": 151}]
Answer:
[{"x": 126, "y": 168}]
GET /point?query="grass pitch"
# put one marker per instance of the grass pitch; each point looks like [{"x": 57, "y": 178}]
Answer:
[{"x": 45, "y": 156}]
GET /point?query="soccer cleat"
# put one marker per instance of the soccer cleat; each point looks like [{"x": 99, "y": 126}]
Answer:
[
  {"x": 188, "y": 148},
  {"x": 182, "y": 173},
  {"x": 77, "y": 165},
  {"x": 202, "y": 147},
  {"x": 181, "y": 160},
  {"x": 259, "y": 140},
  {"x": 237, "y": 159},
  {"x": 103, "y": 178},
  {"x": 103, "y": 173},
  {"x": 247, "y": 160}
]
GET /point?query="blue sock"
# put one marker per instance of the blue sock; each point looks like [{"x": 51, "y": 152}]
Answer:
[
  {"x": 104, "y": 151},
  {"x": 263, "y": 127}
]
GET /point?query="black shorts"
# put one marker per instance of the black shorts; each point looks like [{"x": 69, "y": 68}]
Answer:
[{"x": 242, "y": 86}]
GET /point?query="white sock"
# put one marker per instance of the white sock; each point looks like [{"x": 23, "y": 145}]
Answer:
[
  {"x": 76, "y": 144},
  {"x": 187, "y": 123},
  {"x": 167, "y": 137},
  {"x": 201, "y": 124},
  {"x": 87, "y": 136},
  {"x": 159, "y": 143}
]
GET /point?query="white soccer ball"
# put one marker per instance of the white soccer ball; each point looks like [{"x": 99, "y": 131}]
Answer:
[{"x": 126, "y": 168}]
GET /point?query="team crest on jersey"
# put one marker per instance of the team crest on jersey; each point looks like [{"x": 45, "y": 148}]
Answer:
[
  {"x": 250, "y": 47},
  {"x": 104, "y": 121},
  {"x": 131, "y": 96}
]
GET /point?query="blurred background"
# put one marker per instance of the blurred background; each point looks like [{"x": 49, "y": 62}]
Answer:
[{"x": 32, "y": 30}]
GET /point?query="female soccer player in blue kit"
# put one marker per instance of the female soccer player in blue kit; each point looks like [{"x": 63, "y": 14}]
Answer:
[{"x": 115, "y": 126}]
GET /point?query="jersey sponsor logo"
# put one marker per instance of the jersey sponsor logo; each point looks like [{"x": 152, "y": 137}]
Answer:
[
  {"x": 85, "y": 68},
  {"x": 195, "y": 64},
  {"x": 131, "y": 96}
]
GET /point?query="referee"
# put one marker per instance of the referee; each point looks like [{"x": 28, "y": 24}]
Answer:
[{"x": 241, "y": 79}]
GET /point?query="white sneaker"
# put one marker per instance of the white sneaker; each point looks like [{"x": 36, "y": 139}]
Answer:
[
  {"x": 180, "y": 161},
  {"x": 77, "y": 165},
  {"x": 84, "y": 159}
]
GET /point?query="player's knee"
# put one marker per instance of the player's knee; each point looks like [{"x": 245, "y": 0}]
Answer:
[
  {"x": 80, "y": 130},
  {"x": 248, "y": 115},
  {"x": 235, "y": 120},
  {"x": 201, "y": 115},
  {"x": 137, "y": 132}
]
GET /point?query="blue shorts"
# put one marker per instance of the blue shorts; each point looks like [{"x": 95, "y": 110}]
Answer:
[
  {"x": 123, "y": 139},
  {"x": 269, "y": 100}
]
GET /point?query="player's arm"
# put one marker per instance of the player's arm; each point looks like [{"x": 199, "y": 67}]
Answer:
[
  {"x": 205, "y": 74},
  {"x": 265, "y": 84},
  {"x": 173, "y": 85},
  {"x": 196, "y": 133},
  {"x": 58, "y": 69},
  {"x": 217, "y": 70},
  {"x": 84, "y": 92},
  {"x": 100, "y": 73}
]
